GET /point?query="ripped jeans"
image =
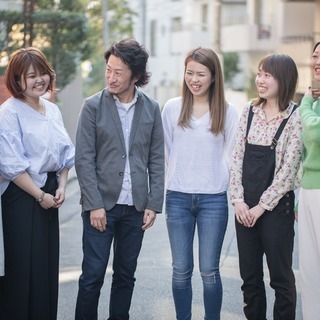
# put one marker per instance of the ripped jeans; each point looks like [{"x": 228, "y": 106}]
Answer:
[{"x": 209, "y": 213}]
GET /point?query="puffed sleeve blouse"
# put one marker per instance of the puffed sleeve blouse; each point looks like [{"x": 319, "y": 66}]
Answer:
[
  {"x": 288, "y": 153},
  {"x": 31, "y": 142}
]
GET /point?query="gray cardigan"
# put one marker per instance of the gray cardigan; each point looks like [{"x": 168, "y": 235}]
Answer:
[{"x": 101, "y": 154}]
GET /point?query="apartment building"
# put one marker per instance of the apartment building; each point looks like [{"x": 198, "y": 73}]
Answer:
[{"x": 251, "y": 28}]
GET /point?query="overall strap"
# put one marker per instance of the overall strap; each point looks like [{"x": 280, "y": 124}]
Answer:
[
  {"x": 280, "y": 129},
  {"x": 250, "y": 116}
]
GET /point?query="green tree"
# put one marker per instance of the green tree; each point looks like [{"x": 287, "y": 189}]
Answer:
[
  {"x": 59, "y": 29},
  {"x": 68, "y": 32},
  {"x": 230, "y": 65},
  {"x": 119, "y": 16}
]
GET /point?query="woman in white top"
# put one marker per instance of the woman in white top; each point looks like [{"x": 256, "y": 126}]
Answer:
[
  {"x": 36, "y": 155},
  {"x": 199, "y": 130}
]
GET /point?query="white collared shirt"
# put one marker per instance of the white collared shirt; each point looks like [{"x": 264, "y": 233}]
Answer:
[{"x": 126, "y": 113}]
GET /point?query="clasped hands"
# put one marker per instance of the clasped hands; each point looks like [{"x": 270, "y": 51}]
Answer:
[
  {"x": 50, "y": 201},
  {"x": 248, "y": 217}
]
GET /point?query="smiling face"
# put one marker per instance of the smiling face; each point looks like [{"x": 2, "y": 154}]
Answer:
[
  {"x": 267, "y": 85},
  {"x": 198, "y": 78},
  {"x": 35, "y": 83},
  {"x": 315, "y": 63},
  {"x": 119, "y": 79}
]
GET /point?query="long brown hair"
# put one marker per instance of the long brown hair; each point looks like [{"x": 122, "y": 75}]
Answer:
[
  {"x": 217, "y": 102},
  {"x": 284, "y": 70}
]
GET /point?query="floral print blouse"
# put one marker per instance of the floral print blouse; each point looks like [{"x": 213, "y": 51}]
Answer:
[{"x": 288, "y": 153}]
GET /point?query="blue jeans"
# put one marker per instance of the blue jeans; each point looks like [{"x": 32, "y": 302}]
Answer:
[
  {"x": 209, "y": 212},
  {"x": 124, "y": 229}
]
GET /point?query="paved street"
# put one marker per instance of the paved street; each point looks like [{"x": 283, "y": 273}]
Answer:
[{"x": 152, "y": 298}]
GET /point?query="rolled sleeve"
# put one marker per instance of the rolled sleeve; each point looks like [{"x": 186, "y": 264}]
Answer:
[{"x": 13, "y": 160}]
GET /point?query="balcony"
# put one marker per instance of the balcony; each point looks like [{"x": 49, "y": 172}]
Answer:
[
  {"x": 246, "y": 37},
  {"x": 183, "y": 41}
]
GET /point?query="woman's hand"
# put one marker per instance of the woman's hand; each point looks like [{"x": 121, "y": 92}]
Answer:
[
  {"x": 313, "y": 92},
  {"x": 61, "y": 191},
  {"x": 243, "y": 214},
  {"x": 256, "y": 212},
  {"x": 59, "y": 197},
  {"x": 48, "y": 201}
]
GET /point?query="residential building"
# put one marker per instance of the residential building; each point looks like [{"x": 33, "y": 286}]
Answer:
[{"x": 251, "y": 28}]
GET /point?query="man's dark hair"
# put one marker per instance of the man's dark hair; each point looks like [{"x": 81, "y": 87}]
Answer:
[{"x": 134, "y": 56}]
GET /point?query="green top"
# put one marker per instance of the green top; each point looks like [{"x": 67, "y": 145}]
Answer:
[{"x": 310, "y": 118}]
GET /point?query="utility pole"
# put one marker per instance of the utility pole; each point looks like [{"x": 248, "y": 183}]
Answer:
[
  {"x": 104, "y": 9},
  {"x": 217, "y": 35},
  {"x": 28, "y": 10},
  {"x": 143, "y": 21}
]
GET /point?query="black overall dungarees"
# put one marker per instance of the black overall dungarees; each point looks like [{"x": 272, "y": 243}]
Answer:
[{"x": 272, "y": 235}]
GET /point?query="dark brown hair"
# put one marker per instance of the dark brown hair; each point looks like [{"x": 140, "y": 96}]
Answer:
[
  {"x": 284, "y": 70},
  {"x": 217, "y": 102},
  {"x": 134, "y": 55},
  {"x": 315, "y": 46},
  {"x": 18, "y": 66}
]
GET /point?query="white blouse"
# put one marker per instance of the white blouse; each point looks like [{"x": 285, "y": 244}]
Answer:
[
  {"x": 31, "y": 142},
  {"x": 197, "y": 160}
]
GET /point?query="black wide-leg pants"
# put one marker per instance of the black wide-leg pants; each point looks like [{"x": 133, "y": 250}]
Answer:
[{"x": 29, "y": 289}]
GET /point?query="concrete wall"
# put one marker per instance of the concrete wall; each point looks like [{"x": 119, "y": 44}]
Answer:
[{"x": 70, "y": 100}]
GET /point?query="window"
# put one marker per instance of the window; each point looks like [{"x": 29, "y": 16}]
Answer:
[
  {"x": 204, "y": 17},
  {"x": 176, "y": 24}
]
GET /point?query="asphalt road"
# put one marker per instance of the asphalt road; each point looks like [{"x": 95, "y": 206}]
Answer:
[{"x": 152, "y": 298}]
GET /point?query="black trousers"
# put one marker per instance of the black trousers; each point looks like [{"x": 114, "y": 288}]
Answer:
[
  {"x": 273, "y": 235},
  {"x": 29, "y": 289}
]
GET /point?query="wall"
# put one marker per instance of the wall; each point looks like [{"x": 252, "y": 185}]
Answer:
[{"x": 70, "y": 100}]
